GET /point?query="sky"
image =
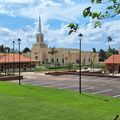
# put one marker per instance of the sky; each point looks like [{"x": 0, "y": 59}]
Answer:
[{"x": 19, "y": 19}]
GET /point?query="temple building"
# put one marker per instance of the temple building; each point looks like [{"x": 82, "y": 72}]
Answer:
[{"x": 45, "y": 55}]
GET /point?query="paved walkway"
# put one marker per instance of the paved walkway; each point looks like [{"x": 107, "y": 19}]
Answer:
[{"x": 90, "y": 84}]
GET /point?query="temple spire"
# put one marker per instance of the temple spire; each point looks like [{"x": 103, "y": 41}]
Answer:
[{"x": 39, "y": 29}]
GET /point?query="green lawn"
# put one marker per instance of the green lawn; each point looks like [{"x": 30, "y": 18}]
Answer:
[{"x": 37, "y": 103}]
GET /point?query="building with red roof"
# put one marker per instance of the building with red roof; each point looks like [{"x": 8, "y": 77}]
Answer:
[
  {"x": 10, "y": 61},
  {"x": 112, "y": 64}
]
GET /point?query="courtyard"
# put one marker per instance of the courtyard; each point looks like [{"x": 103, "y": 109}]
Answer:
[{"x": 90, "y": 84}]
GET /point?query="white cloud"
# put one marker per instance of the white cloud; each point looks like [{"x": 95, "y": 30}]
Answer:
[
  {"x": 60, "y": 38},
  {"x": 48, "y": 9},
  {"x": 16, "y": 1}
]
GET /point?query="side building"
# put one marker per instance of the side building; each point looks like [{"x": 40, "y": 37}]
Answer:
[
  {"x": 112, "y": 64},
  {"x": 9, "y": 62}
]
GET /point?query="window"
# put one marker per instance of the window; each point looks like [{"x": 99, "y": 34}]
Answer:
[
  {"x": 36, "y": 53},
  {"x": 62, "y": 60},
  {"x": 2, "y": 68},
  {"x": 52, "y": 60},
  {"x": 57, "y": 60},
  {"x": 89, "y": 60},
  {"x": 77, "y": 61},
  {"x": 84, "y": 60},
  {"x": 36, "y": 57},
  {"x": 83, "y": 63},
  {"x": 46, "y": 60}
]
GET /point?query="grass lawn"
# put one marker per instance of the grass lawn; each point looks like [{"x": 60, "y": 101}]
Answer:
[{"x": 27, "y": 102}]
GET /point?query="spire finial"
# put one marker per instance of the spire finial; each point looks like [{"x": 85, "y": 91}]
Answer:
[{"x": 39, "y": 30}]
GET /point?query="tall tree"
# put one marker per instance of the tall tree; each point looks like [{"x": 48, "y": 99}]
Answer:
[
  {"x": 2, "y": 49},
  {"x": 25, "y": 50},
  {"x": 102, "y": 55},
  {"x": 109, "y": 39},
  {"x": 93, "y": 58}
]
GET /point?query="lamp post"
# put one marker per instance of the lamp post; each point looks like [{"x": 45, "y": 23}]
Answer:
[
  {"x": 55, "y": 59},
  {"x": 80, "y": 38},
  {"x": 30, "y": 61},
  {"x": 19, "y": 40},
  {"x": 5, "y": 61},
  {"x": 13, "y": 57}
]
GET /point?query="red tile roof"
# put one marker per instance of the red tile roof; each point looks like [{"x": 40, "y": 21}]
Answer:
[
  {"x": 9, "y": 58},
  {"x": 113, "y": 59}
]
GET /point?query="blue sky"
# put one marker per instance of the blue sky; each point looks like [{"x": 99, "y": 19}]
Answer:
[{"x": 19, "y": 19}]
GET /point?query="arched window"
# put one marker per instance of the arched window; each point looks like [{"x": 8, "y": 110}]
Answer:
[{"x": 62, "y": 60}]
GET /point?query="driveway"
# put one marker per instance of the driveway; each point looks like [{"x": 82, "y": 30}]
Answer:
[{"x": 90, "y": 84}]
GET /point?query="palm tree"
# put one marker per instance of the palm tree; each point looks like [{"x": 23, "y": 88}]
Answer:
[
  {"x": 109, "y": 39},
  {"x": 53, "y": 53},
  {"x": 93, "y": 58}
]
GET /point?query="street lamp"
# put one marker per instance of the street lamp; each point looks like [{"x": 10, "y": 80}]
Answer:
[
  {"x": 5, "y": 60},
  {"x": 13, "y": 57},
  {"x": 19, "y": 40},
  {"x": 80, "y": 38},
  {"x": 30, "y": 61}
]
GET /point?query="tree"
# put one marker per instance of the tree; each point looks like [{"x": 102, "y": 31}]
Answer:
[
  {"x": 111, "y": 51},
  {"x": 94, "y": 50},
  {"x": 2, "y": 49},
  {"x": 93, "y": 57},
  {"x": 109, "y": 39},
  {"x": 102, "y": 55},
  {"x": 53, "y": 52},
  {"x": 25, "y": 50},
  {"x": 112, "y": 10}
]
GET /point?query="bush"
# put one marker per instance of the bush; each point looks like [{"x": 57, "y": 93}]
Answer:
[{"x": 69, "y": 66}]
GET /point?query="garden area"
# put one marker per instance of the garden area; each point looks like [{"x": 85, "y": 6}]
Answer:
[{"x": 69, "y": 66}]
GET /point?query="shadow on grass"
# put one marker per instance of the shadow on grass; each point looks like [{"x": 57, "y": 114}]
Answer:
[
  {"x": 92, "y": 96},
  {"x": 27, "y": 86}
]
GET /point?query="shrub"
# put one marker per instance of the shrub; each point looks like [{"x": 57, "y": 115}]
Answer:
[{"x": 69, "y": 66}]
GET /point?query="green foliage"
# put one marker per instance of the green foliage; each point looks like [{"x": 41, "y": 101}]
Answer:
[
  {"x": 94, "y": 50},
  {"x": 92, "y": 1},
  {"x": 52, "y": 51},
  {"x": 110, "y": 52},
  {"x": 112, "y": 10},
  {"x": 105, "y": 54},
  {"x": 102, "y": 66},
  {"x": 25, "y": 50},
  {"x": 41, "y": 68},
  {"x": 97, "y": 24},
  {"x": 69, "y": 66},
  {"x": 87, "y": 12},
  {"x": 26, "y": 102},
  {"x": 73, "y": 28}
]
